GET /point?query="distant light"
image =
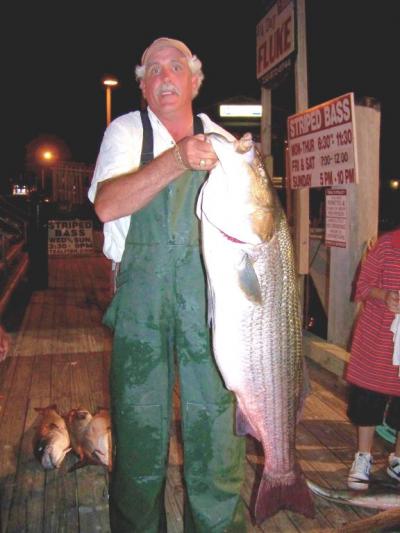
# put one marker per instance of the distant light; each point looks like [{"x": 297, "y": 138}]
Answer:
[
  {"x": 110, "y": 82},
  {"x": 394, "y": 183},
  {"x": 48, "y": 155},
  {"x": 240, "y": 110},
  {"x": 20, "y": 190}
]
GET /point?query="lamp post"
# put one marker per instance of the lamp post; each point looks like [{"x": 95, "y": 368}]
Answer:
[
  {"x": 109, "y": 82},
  {"x": 47, "y": 157}
]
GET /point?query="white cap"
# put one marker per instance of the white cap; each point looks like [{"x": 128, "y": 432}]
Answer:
[{"x": 164, "y": 42}]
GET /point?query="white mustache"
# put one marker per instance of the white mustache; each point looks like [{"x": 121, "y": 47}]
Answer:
[{"x": 167, "y": 87}]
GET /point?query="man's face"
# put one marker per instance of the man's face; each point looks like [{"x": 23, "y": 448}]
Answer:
[{"x": 168, "y": 84}]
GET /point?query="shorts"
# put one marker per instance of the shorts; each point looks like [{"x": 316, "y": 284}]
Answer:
[{"x": 370, "y": 408}]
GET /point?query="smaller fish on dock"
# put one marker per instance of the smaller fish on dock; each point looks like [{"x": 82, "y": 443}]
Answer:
[
  {"x": 374, "y": 498},
  {"x": 77, "y": 420},
  {"x": 90, "y": 437},
  {"x": 51, "y": 441},
  {"x": 98, "y": 438}
]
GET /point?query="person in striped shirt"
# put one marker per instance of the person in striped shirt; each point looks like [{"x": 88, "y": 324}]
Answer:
[{"x": 374, "y": 393}]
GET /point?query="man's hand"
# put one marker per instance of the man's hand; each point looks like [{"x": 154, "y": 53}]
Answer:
[{"x": 197, "y": 152}]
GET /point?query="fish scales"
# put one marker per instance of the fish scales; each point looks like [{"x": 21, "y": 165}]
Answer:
[{"x": 251, "y": 275}]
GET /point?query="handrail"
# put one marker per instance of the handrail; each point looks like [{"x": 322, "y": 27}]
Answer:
[{"x": 13, "y": 282}]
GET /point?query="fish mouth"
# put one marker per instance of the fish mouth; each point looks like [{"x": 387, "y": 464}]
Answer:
[
  {"x": 53, "y": 456},
  {"x": 50, "y": 451}
]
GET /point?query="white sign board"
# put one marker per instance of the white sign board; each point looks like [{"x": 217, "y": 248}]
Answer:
[
  {"x": 336, "y": 223},
  {"x": 275, "y": 37},
  {"x": 322, "y": 145},
  {"x": 70, "y": 237}
]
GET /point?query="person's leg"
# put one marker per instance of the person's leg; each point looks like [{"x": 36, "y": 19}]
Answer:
[
  {"x": 393, "y": 420},
  {"x": 365, "y": 410},
  {"x": 365, "y": 435},
  {"x": 214, "y": 458},
  {"x": 141, "y": 380}
]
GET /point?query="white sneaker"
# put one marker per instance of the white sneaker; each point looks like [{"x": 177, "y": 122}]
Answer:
[
  {"x": 358, "y": 478},
  {"x": 393, "y": 469}
]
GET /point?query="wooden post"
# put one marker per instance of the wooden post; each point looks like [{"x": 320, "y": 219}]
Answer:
[
  {"x": 301, "y": 196},
  {"x": 266, "y": 129},
  {"x": 363, "y": 207}
]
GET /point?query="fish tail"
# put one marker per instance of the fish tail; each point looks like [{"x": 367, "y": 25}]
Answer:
[{"x": 276, "y": 494}]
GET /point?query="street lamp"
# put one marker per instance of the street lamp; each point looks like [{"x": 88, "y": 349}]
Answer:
[
  {"x": 46, "y": 156},
  {"x": 109, "y": 82}
]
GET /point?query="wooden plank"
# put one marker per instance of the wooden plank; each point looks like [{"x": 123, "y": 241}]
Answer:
[
  {"x": 11, "y": 429},
  {"x": 7, "y": 370},
  {"x": 27, "y": 508},
  {"x": 92, "y": 491},
  {"x": 380, "y": 522},
  {"x": 98, "y": 382},
  {"x": 60, "y": 504},
  {"x": 61, "y": 382},
  {"x": 80, "y": 382},
  {"x": 174, "y": 497}
]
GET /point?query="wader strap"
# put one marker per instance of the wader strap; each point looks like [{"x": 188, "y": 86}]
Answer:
[
  {"x": 198, "y": 125},
  {"x": 147, "y": 154}
]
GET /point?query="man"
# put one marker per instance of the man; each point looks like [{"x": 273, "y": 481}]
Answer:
[{"x": 146, "y": 197}]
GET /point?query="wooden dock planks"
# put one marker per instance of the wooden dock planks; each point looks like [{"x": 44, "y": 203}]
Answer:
[{"x": 62, "y": 355}]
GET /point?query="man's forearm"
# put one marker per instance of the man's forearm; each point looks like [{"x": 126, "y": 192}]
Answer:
[{"x": 126, "y": 194}]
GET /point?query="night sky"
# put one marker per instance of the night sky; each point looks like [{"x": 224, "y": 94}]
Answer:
[{"x": 54, "y": 56}]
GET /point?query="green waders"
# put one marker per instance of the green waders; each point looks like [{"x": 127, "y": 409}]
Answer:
[{"x": 159, "y": 319}]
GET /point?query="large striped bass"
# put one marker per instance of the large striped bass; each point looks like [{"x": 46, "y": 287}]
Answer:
[{"x": 254, "y": 309}]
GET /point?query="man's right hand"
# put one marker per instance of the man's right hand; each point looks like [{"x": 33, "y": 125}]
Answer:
[{"x": 197, "y": 152}]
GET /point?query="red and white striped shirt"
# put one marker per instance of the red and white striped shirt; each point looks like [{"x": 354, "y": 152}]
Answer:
[{"x": 370, "y": 364}]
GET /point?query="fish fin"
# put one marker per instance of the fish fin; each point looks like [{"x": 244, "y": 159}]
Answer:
[
  {"x": 274, "y": 495},
  {"x": 98, "y": 452},
  {"x": 248, "y": 280},
  {"x": 243, "y": 426}
]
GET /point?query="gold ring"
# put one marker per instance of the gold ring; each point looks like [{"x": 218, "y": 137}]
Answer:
[{"x": 202, "y": 163}]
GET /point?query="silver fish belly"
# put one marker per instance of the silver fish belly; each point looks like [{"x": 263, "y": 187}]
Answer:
[
  {"x": 254, "y": 310},
  {"x": 374, "y": 498}
]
